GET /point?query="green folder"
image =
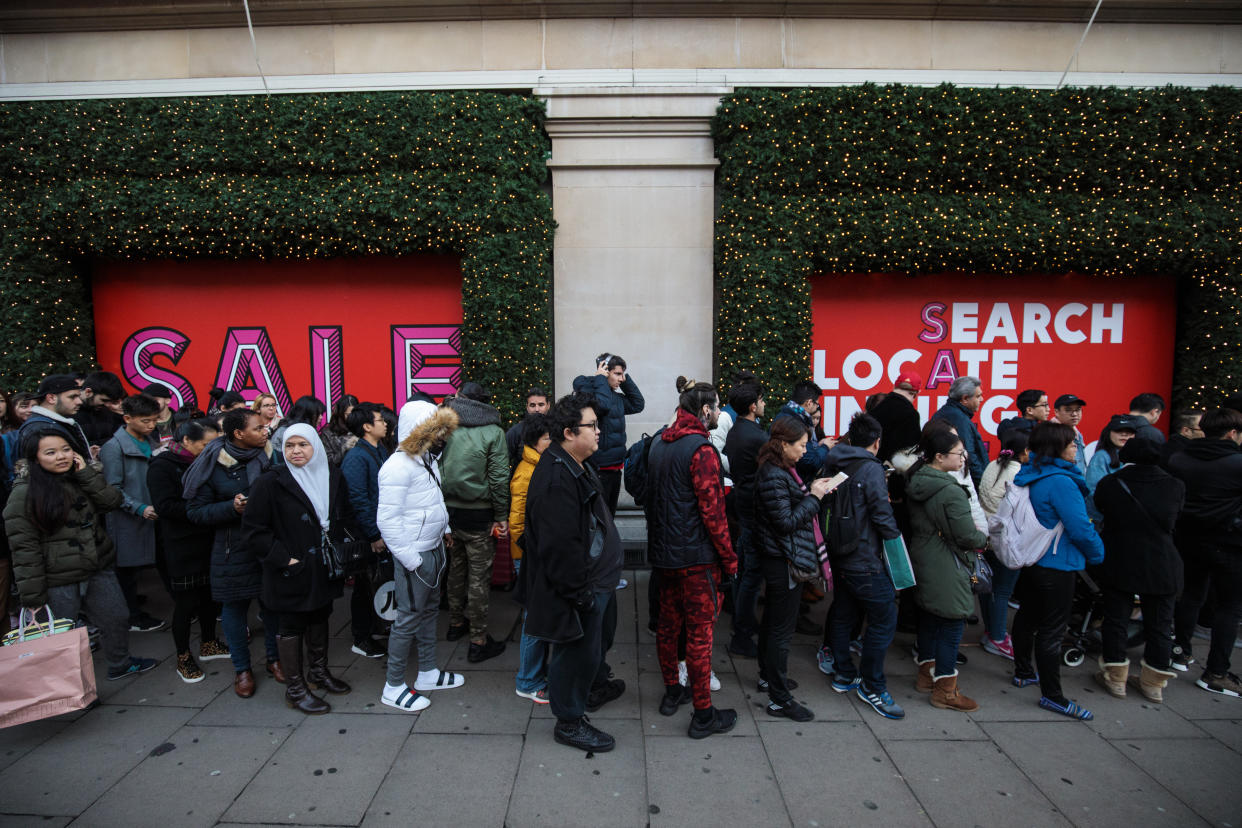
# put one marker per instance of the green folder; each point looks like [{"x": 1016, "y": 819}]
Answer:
[{"x": 897, "y": 558}]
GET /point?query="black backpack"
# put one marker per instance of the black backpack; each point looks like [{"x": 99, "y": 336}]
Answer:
[
  {"x": 635, "y": 474},
  {"x": 838, "y": 519}
]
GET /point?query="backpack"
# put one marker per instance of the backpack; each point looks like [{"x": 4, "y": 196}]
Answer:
[
  {"x": 838, "y": 519},
  {"x": 1018, "y": 538},
  {"x": 635, "y": 474}
]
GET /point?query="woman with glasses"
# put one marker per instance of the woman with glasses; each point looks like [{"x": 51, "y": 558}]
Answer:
[
  {"x": 269, "y": 412},
  {"x": 943, "y": 543}
]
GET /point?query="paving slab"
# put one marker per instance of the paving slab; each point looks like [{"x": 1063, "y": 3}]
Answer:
[
  {"x": 560, "y": 786},
  {"x": 697, "y": 782},
  {"x": 68, "y": 772},
  {"x": 1203, "y": 773},
  {"x": 326, "y": 772},
  {"x": 730, "y": 695},
  {"x": 922, "y": 721},
  {"x": 486, "y": 703},
  {"x": 969, "y": 784},
  {"x": 18, "y": 740},
  {"x": 26, "y": 821},
  {"x": 1075, "y": 769},
  {"x": 838, "y": 773},
  {"x": 1131, "y": 717},
  {"x": 366, "y": 678},
  {"x": 442, "y": 762},
  {"x": 1187, "y": 700},
  {"x": 163, "y": 686},
  {"x": 188, "y": 780},
  {"x": 266, "y": 708},
  {"x": 1226, "y": 731},
  {"x": 623, "y": 660}
]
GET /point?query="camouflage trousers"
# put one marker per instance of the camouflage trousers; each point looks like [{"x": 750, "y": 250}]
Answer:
[
  {"x": 470, "y": 579},
  {"x": 689, "y": 602}
]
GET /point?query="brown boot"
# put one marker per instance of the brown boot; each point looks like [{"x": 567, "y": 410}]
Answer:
[
  {"x": 274, "y": 670},
  {"x": 1112, "y": 677},
  {"x": 946, "y": 697},
  {"x": 1151, "y": 682},
  {"x": 923, "y": 681},
  {"x": 243, "y": 684},
  {"x": 317, "y": 675},
  {"x": 297, "y": 695}
]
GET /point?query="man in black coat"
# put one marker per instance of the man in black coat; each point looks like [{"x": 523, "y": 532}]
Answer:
[
  {"x": 1183, "y": 429},
  {"x": 898, "y": 417},
  {"x": 536, "y": 403},
  {"x": 572, "y": 564},
  {"x": 1209, "y": 536},
  {"x": 742, "y": 449}
]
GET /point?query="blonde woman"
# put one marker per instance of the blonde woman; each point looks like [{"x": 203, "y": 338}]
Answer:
[{"x": 268, "y": 410}]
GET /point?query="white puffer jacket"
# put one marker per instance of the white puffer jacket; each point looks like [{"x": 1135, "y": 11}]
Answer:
[{"x": 411, "y": 516}]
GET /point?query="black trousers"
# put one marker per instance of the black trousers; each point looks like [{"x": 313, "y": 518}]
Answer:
[
  {"x": 362, "y": 606},
  {"x": 776, "y": 628},
  {"x": 607, "y": 634},
  {"x": 295, "y": 623},
  {"x": 1047, "y": 596},
  {"x": 188, "y": 604},
  {"x": 1210, "y": 565},
  {"x": 611, "y": 481},
  {"x": 1157, "y": 627},
  {"x": 574, "y": 666}
]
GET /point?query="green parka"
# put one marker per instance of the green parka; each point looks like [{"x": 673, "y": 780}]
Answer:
[
  {"x": 474, "y": 468},
  {"x": 74, "y": 552},
  {"x": 942, "y": 535}
]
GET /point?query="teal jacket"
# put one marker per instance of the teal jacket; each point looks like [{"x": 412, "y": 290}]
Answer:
[{"x": 1059, "y": 493}]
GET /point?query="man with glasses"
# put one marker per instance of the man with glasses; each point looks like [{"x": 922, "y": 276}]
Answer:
[
  {"x": 1185, "y": 428},
  {"x": 1032, "y": 405},
  {"x": 1068, "y": 410},
  {"x": 571, "y": 566}
]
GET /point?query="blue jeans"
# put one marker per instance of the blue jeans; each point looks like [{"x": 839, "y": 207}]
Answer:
[
  {"x": 870, "y": 594},
  {"x": 938, "y": 639},
  {"x": 749, "y": 580},
  {"x": 995, "y": 605},
  {"x": 532, "y": 652},
  {"x": 233, "y": 618}
]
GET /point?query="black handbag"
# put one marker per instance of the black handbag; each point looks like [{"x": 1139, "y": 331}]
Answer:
[
  {"x": 980, "y": 574},
  {"x": 346, "y": 556}
]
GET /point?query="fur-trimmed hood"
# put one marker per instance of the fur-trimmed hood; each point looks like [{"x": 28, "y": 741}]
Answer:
[
  {"x": 424, "y": 426},
  {"x": 474, "y": 413}
]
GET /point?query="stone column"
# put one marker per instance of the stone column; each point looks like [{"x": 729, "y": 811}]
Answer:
[{"x": 633, "y": 195}]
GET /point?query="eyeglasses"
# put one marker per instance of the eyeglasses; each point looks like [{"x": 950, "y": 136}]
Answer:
[
  {"x": 593, "y": 424},
  {"x": 961, "y": 454}
]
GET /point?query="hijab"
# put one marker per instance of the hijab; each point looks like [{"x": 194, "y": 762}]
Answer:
[{"x": 313, "y": 477}]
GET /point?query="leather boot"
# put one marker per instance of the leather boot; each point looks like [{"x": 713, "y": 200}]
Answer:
[
  {"x": 946, "y": 696},
  {"x": 1112, "y": 677},
  {"x": 923, "y": 681},
  {"x": 317, "y": 675},
  {"x": 1151, "y": 682},
  {"x": 274, "y": 670},
  {"x": 297, "y": 695},
  {"x": 243, "y": 684}
]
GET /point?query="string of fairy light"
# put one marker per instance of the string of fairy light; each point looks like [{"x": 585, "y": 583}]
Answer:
[
  {"x": 306, "y": 176},
  {"x": 1110, "y": 183}
]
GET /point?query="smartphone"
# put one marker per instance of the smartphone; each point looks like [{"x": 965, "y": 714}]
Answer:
[{"x": 837, "y": 480}]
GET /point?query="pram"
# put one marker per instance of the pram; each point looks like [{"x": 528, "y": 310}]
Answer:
[{"x": 1082, "y": 636}]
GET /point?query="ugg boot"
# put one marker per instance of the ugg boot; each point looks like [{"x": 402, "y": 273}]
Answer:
[
  {"x": 1112, "y": 677},
  {"x": 923, "y": 681},
  {"x": 1151, "y": 682},
  {"x": 297, "y": 695},
  {"x": 946, "y": 696},
  {"x": 317, "y": 675}
]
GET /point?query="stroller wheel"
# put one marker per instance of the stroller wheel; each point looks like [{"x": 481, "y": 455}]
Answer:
[{"x": 1073, "y": 657}]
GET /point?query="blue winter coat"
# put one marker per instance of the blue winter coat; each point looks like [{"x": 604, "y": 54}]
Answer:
[
  {"x": 361, "y": 468},
  {"x": 955, "y": 414},
  {"x": 1058, "y": 493},
  {"x": 616, "y": 404}
]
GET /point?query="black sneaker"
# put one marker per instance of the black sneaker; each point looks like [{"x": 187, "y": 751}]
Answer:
[
  {"x": 583, "y": 735},
  {"x": 603, "y": 693},
  {"x": 482, "y": 652},
  {"x": 368, "y": 648},
  {"x": 790, "y": 684},
  {"x": 145, "y": 623},
  {"x": 790, "y": 710},
  {"x": 674, "y": 697},
  {"x": 743, "y": 646},
  {"x": 718, "y": 721},
  {"x": 1181, "y": 659}
]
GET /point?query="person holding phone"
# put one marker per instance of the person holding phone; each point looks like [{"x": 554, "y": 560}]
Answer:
[{"x": 618, "y": 395}]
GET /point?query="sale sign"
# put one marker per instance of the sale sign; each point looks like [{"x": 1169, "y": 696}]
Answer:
[
  {"x": 1105, "y": 340},
  {"x": 377, "y": 328}
]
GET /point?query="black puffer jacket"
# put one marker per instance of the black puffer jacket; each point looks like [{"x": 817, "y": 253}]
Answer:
[
  {"x": 1140, "y": 556},
  {"x": 785, "y": 517},
  {"x": 235, "y": 573},
  {"x": 187, "y": 546}
]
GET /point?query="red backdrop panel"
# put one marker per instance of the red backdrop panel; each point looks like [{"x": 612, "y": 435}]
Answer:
[
  {"x": 377, "y": 328},
  {"x": 1105, "y": 340}
]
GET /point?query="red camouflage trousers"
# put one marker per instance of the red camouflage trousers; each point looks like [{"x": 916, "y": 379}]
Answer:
[{"x": 688, "y": 598}]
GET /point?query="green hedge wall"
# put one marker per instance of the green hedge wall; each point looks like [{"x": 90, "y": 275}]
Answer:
[
  {"x": 298, "y": 176},
  {"x": 1107, "y": 182}
]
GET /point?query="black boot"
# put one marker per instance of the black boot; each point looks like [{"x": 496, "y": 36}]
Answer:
[
  {"x": 297, "y": 695},
  {"x": 583, "y": 735},
  {"x": 317, "y": 675}
]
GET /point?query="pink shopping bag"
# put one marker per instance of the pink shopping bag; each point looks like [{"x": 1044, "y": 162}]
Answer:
[{"x": 46, "y": 675}]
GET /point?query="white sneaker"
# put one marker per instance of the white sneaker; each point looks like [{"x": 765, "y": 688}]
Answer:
[
  {"x": 438, "y": 680},
  {"x": 683, "y": 677},
  {"x": 405, "y": 699}
]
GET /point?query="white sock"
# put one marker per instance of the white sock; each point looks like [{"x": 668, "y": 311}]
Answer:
[
  {"x": 428, "y": 676},
  {"x": 393, "y": 690}
]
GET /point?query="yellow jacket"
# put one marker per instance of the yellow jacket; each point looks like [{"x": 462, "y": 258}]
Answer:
[{"x": 517, "y": 498}]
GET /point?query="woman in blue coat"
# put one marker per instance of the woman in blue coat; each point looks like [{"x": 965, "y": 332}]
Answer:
[{"x": 1058, "y": 495}]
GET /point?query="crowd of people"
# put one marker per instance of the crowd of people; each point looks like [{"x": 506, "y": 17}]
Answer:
[{"x": 902, "y": 523}]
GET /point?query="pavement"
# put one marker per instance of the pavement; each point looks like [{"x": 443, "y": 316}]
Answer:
[{"x": 161, "y": 752}]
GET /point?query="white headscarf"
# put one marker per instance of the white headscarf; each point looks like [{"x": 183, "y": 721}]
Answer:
[{"x": 313, "y": 477}]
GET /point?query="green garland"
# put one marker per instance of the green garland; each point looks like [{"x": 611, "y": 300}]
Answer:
[
  {"x": 874, "y": 179},
  {"x": 303, "y": 176}
]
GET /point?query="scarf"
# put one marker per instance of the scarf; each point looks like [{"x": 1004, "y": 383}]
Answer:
[
  {"x": 819, "y": 533},
  {"x": 199, "y": 472},
  {"x": 313, "y": 477}
]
